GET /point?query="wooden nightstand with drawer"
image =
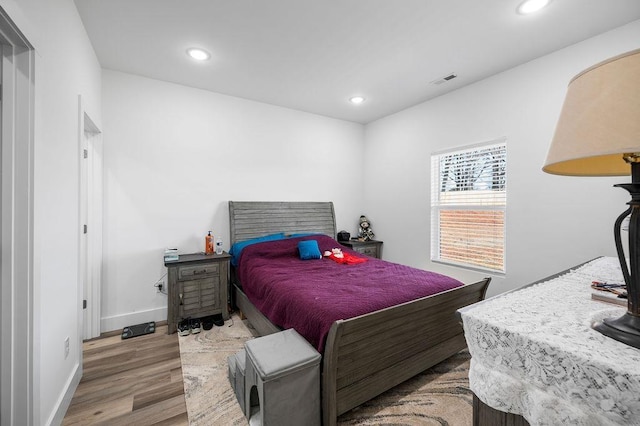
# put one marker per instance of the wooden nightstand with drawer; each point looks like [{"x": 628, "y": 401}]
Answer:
[
  {"x": 198, "y": 285},
  {"x": 372, "y": 248}
]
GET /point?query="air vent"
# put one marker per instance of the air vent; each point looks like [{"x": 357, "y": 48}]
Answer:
[{"x": 444, "y": 79}]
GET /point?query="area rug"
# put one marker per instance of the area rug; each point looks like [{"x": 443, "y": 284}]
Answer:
[{"x": 438, "y": 396}]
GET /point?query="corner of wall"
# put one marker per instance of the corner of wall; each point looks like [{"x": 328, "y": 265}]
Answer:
[{"x": 65, "y": 398}]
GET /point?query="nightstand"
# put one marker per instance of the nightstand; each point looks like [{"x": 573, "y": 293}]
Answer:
[
  {"x": 198, "y": 285},
  {"x": 370, "y": 248}
]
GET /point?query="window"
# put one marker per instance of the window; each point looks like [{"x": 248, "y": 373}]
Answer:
[{"x": 468, "y": 204}]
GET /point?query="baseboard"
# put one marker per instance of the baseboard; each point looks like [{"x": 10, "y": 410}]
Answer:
[
  {"x": 63, "y": 404},
  {"x": 118, "y": 322}
]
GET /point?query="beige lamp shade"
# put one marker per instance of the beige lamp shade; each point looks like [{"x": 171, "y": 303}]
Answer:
[{"x": 600, "y": 120}]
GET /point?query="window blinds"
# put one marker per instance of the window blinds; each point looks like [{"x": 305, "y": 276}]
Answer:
[{"x": 468, "y": 203}]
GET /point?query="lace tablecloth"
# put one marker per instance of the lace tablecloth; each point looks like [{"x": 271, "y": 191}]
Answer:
[{"x": 534, "y": 353}]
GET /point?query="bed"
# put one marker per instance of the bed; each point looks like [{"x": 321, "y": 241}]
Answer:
[{"x": 370, "y": 353}]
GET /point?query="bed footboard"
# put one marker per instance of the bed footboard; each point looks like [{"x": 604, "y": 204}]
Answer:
[{"x": 367, "y": 355}]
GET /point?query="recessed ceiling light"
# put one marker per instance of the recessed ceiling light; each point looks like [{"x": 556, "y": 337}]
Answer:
[
  {"x": 198, "y": 54},
  {"x": 357, "y": 100},
  {"x": 530, "y": 6}
]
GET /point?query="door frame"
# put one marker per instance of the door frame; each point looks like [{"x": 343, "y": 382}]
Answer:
[{"x": 18, "y": 404}]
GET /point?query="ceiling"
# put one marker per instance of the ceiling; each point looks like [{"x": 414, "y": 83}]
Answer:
[{"x": 313, "y": 55}]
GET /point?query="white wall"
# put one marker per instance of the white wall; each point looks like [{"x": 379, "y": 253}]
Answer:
[
  {"x": 174, "y": 156},
  {"x": 65, "y": 67},
  {"x": 553, "y": 222}
]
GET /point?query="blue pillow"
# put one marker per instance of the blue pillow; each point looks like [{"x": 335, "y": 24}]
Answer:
[
  {"x": 309, "y": 250},
  {"x": 237, "y": 248}
]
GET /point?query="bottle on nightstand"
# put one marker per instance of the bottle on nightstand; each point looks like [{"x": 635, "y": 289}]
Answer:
[
  {"x": 218, "y": 245},
  {"x": 208, "y": 243}
]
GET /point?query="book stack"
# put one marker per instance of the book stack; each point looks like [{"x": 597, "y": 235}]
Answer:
[{"x": 609, "y": 293}]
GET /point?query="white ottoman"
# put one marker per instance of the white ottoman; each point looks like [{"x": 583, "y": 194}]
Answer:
[{"x": 282, "y": 382}]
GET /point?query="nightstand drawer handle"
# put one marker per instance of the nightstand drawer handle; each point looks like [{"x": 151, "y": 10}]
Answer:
[
  {"x": 181, "y": 299},
  {"x": 204, "y": 271}
]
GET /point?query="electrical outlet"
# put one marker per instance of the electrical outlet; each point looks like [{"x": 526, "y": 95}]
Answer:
[
  {"x": 159, "y": 286},
  {"x": 66, "y": 348}
]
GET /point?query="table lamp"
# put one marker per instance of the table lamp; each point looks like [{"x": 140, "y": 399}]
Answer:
[{"x": 598, "y": 134}]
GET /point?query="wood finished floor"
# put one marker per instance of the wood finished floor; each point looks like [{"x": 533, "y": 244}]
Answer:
[{"x": 137, "y": 381}]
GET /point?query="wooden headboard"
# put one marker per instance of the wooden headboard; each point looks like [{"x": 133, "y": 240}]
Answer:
[{"x": 251, "y": 219}]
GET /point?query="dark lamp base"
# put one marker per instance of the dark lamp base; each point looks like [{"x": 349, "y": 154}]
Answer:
[{"x": 625, "y": 329}]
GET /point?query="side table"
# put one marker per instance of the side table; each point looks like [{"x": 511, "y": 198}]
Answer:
[
  {"x": 198, "y": 285},
  {"x": 372, "y": 248}
]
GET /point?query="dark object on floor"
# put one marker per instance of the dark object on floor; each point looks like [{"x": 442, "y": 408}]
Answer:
[
  {"x": 207, "y": 322},
  {"x": 139, "y": 330},
  {"x": 184, "y": 327},
  {"x": 195, "y": 326},
  {"x": 218, "y": 321}
]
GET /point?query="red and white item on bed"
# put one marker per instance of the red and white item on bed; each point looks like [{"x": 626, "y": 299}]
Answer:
[{"x": 337, "y": 255}]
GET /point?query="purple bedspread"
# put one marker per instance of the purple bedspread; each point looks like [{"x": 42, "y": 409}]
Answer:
[{"x": 309, "y": 295}]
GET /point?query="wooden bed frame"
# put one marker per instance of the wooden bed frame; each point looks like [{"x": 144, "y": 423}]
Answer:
[{"x": 369, "y": 354}]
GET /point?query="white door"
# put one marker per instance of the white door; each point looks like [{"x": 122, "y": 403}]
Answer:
[
  {"x": 90, "y": 213},
  {"x": 84, "y": 228}
]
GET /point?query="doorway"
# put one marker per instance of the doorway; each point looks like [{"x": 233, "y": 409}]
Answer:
[
  {"x": 16, "y": 226},
  {"x": 90, "y": 262}
]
